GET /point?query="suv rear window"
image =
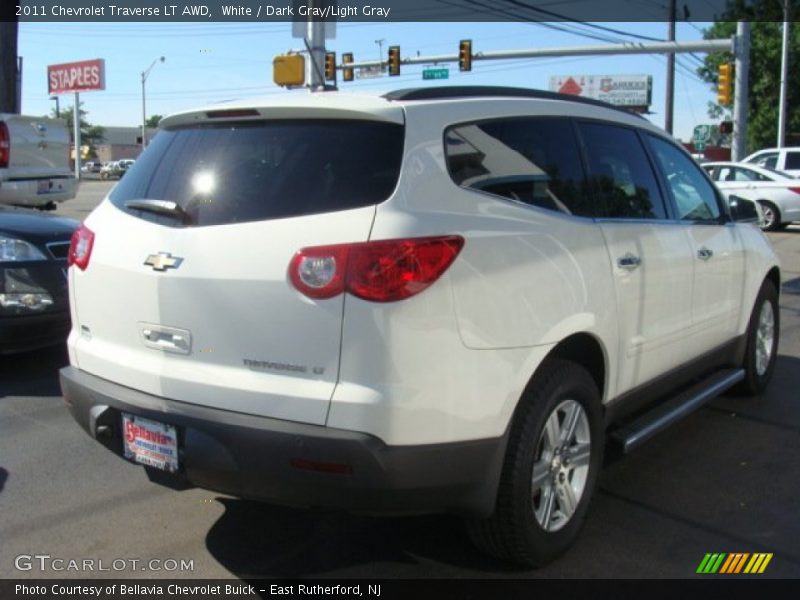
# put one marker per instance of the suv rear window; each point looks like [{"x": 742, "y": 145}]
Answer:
[
  {"x": 792, "y": 160},
  {"x": 239, "y": 172}
]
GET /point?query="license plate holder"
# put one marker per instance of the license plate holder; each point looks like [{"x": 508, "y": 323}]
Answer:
[
  {"x": 44, "y": 186},
  {"x": 150, "y": 443}
]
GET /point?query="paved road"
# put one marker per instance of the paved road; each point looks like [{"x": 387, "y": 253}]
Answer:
[{"x": 724, "y": 480}]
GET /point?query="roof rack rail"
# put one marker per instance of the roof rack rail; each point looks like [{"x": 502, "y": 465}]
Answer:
[{"x": 472, "y": 91}]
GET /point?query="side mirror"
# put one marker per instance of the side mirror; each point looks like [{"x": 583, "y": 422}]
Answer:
[{"x": 744, "y": 210}]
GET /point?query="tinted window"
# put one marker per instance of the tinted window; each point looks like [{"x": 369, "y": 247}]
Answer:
[
  {"x": 230, "y": 173},
  {"x": 692, "y": 193},
  {"x": 533, "y": 161},
  {"x": 792, "y": 160},
  {"x": 621, "y": 173}
]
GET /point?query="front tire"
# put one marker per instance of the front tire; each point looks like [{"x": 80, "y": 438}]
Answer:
[
  {"x": 551, "y": 466},
  {"x": 762, "y": 342},
  {"x": 772, "y": 216}
]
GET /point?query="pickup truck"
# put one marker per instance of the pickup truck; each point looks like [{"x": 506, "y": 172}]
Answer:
[{"x": 34, "y": 162}]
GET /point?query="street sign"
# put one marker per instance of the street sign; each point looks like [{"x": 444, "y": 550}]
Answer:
[
  {"x": 699, "y": 146},
  {"x": 369, "y": 72},
  {"x": 702, "y": 133},
  {"x": 441, "y": 73},
  {"x": 83, "y": 76}
]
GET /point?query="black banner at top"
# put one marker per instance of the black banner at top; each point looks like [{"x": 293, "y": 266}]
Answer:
[{"x": 254, "y": 11}]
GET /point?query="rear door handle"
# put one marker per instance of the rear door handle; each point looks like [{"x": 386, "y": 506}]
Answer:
[
  {"x": 629, "y": 262},
  {"x": 167, "y": 339},
  {"x": 704, "y": 253}
]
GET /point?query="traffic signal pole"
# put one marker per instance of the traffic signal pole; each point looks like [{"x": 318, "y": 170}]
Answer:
[
  {"x": 315, "y": 42},
  {"x": 740, "y": 90},
  {"x": 611, "y": 49}
]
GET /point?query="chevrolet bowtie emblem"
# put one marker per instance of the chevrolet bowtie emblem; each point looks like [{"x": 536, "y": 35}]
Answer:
[{"x": 163, "y": 261}]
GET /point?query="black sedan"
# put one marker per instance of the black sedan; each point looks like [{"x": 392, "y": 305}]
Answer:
[{"x": 34, "y": 306}]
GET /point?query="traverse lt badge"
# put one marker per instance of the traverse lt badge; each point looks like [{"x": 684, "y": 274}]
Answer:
[{"x": 163, "y": 261}]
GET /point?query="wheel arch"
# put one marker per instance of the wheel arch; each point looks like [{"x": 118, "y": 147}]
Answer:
[
  {"x": 585, "y": 350},
  {"x": 774, "y": 275}
]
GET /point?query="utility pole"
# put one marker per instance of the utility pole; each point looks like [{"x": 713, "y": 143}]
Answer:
[
  {"x": 380, "y": 48},
  {"x": 8, "y": 67},
  {"x": 669, "y": 103},
  {"x": 315, "y": 44},
  {"x": 740, "y": 91},
  {"x": 784, "y": 77}
]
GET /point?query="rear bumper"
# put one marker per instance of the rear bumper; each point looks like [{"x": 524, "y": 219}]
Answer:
[
  {"x": 38, "y": 191},
  {"x": 283, "y": 462}
]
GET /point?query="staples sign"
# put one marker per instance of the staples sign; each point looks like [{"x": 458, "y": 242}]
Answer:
[{"x": 83, "y": 76}]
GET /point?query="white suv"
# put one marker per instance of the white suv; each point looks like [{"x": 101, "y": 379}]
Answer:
[{"x": 439, "y": 300}]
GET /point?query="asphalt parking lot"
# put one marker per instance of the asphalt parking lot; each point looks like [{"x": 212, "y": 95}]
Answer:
[{"x": 726, "y": 479}]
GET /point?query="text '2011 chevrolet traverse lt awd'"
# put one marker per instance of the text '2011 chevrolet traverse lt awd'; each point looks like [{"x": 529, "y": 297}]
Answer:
[{"x": 439, "y": 300}]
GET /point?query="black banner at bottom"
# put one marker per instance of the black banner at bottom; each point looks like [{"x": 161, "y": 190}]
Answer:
[{"x": 387, "y": 589}]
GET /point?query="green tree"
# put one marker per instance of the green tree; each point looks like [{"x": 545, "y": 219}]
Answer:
[
  {"x": 153, "y": 120},
  {"x": 765, "y": 69},
  {"x": 91, "y": 135}
]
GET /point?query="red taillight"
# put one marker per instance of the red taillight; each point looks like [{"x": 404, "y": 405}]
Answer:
[
  {"x": 381, "y": 271},
  {"x": 5, "y": 146},
  {"x": 80, "y": 247},
  {"x": 796, "y": 190}
]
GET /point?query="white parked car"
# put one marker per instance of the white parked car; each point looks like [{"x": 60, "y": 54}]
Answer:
[
  {"x": 34, "y": 162},
  {"x": 777, "y": 193},
  {"x": 438, "y": 300},
  {"x": 786, "y": 160}
]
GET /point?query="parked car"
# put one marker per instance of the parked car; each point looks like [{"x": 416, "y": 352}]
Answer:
[
  {"x": 34, "y": 309},
  {"x": 780, "y": 159},
  {"x": 437, "y": 300},
  {"x": 116, "y": 169},
  {"x": 91, "y": 167},
  {"x": 777, "y": 193},
  {"x": 34, "y": 162}
]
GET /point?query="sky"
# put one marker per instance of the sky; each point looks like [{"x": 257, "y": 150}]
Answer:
[{"x": 214, "y": 62}]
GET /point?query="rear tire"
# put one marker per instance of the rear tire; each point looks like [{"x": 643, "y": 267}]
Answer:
[
  {"x": 552, "y": 461},
  {"x": 772, "y": 216},
  {"x": 762, "y": 342}
]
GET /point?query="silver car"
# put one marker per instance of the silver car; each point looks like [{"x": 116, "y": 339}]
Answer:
[{"x": 777, "y": 193}]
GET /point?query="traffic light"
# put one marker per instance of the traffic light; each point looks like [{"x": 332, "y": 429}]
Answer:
[
  {"x": 394, "y": 60},
  {"x": 726, "y": 127},
  {"x": 347, "y": 72},
  {"x": 289, "y": 70},
  {"x": 465, "y": 55},
  {"x": 330, "y": 66},
  {"x": 725, "y": 84}
]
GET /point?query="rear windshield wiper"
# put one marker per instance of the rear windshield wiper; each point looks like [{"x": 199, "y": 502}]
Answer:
[{"x": 161, "y": 207}]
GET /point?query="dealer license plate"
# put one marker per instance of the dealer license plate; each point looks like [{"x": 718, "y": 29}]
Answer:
[
  {"x": 44, "y": 186},
  {"x": 150, "y": 443}
]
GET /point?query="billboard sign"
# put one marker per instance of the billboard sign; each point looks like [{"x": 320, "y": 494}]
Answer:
[
  {"x": 620, "y": 90},
  {"x": 82, "y": 76}
]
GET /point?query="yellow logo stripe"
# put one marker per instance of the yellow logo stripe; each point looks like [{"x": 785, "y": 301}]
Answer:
[
  {"x": 758, "y": 563},
  {"x": 764, "y": 564}
]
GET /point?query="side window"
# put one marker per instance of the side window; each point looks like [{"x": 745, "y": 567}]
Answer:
[
  {"x": 750, "y": 175},
  {"x": 792, "y": 160},
  {"x": 725, "y": 174},
  {"x": 535, "y": 161},
  {"x": 693, "y": 194},
  {"x": 745, "y": 175},
  {"x": 769, "y": 160},
  {"x": 620, "y": 172}
]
